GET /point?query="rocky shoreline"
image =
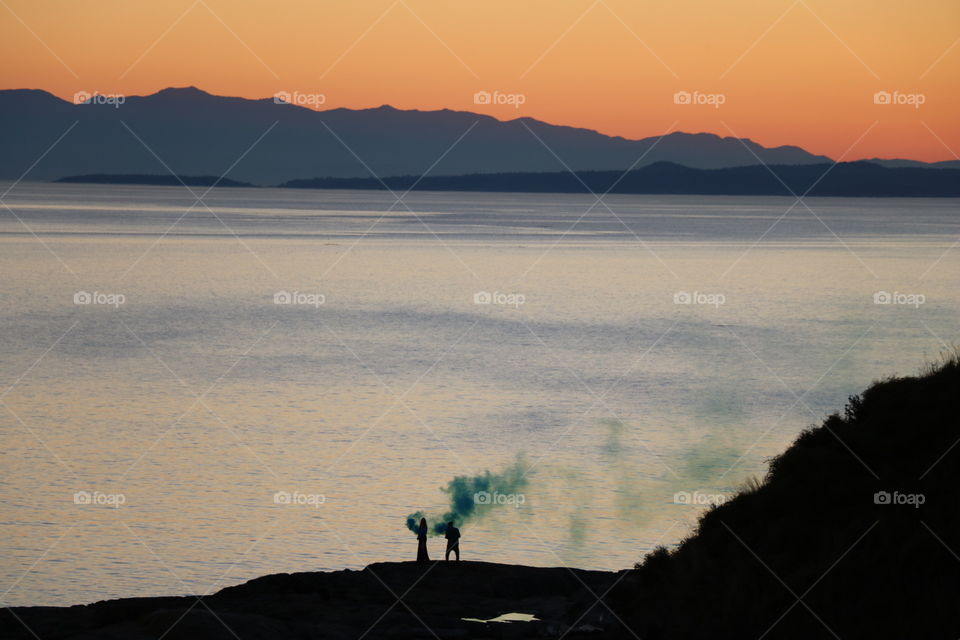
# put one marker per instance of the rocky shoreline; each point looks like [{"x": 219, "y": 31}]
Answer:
[{"x": 384, "y": 600}]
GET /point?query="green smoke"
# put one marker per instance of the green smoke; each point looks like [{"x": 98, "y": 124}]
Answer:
[{"x": 472, "y": 497}]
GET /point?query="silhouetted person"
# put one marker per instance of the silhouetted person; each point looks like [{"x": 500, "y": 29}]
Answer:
[
  {"x": 453, "y": 540},
  {"x": 422, "y": 541}
]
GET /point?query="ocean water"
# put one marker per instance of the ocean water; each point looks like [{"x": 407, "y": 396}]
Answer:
[{"x": 638, "y": 357}]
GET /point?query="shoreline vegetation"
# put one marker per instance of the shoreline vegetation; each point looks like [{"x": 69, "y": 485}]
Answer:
[
  {"x": 853, "y": 533},
  {"x": 844, "y": 179}
]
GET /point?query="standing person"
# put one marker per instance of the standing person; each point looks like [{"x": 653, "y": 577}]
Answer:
[
  {"x": 453, "y": 540},
  {"x": 422, "y": 541}
]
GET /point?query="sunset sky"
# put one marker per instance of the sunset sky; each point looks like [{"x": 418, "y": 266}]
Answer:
[{"x": 800, "y": 72}]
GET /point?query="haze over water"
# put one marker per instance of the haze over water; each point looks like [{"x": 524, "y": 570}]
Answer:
[{"x": 198, "y": 398}]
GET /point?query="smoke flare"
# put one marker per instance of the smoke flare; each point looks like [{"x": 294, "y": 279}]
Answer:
[{"x": 472, "y": 497}]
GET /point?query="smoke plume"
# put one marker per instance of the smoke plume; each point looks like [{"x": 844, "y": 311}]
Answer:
[{"x": 472, "y": 497}]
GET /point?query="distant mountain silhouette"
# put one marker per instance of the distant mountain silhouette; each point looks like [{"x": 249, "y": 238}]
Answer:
[
  {"x": 844, "y": 179},
  {"x": 196, "y": 133},
  {"x": 900, "y": 162}
]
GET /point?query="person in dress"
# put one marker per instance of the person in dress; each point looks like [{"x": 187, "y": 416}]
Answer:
[{"x": 422, "y": 555}]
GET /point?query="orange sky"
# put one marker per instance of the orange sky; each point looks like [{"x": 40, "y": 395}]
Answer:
[{"x": 798, "y": 72}]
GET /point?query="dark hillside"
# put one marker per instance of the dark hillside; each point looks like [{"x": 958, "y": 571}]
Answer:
[{"x": 855, "y": 533}]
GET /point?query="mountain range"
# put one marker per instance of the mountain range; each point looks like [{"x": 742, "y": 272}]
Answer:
[{"x": 187, "y": 131}]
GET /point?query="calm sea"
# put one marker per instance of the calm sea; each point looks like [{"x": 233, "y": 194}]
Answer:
[{"x": 196, "y": 392}]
